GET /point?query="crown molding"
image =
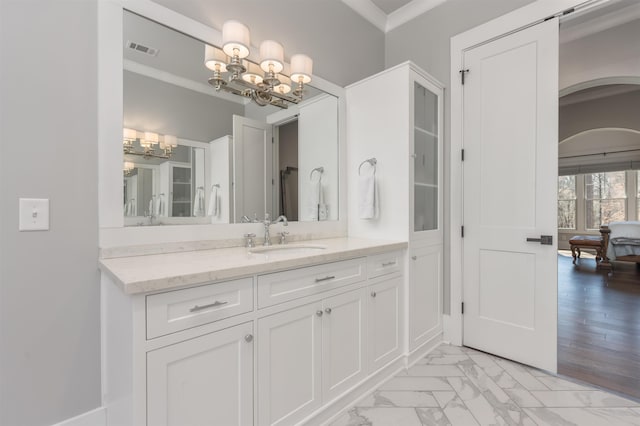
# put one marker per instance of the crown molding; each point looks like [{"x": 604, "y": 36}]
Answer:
[
  {"x": 600, "y": 23},
  {"x": 372, "y": 13},
  {"x": 369, "y": 11},
  {"x": 410, "y": 11}
]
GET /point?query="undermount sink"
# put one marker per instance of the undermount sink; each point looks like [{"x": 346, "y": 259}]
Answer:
[{"x": 288, "y": 248}]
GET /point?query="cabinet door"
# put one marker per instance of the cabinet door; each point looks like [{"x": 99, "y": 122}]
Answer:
[
  {"x": 289, "y": 365},
  {"x": 425, "y": 297},
  {"x": 206, "y": 380},
  {"x": 343, "y": 342},
  {"x": 426, "y": 197},
  {"x": 384, "y": 322}
]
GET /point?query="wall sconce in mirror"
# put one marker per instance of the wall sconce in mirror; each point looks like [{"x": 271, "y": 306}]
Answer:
[
  {"x": 262, "y": 83},
  {"x": 148, "y": 143}
]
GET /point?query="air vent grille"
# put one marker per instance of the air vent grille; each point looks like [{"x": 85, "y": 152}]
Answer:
[{"x": 151, "y": 51}]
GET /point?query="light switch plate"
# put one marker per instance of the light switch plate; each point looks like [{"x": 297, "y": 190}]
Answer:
[{"x": 34, "y": 214}]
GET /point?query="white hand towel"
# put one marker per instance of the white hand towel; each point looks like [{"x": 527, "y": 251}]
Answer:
[
  {"x": 159, "y": 206},
  {"x": 151, "y": 205},
  {"x": 198, "y": 203},
  {"x": 134, "y": 207},
  {"x": 367, "y": 196},
  {"x": 214, "y": 203}
]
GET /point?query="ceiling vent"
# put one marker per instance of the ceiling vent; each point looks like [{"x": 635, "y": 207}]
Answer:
[{"x": 151, "y": 51}]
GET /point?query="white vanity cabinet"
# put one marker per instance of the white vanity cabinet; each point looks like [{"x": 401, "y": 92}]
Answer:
[
  {"x": 279, "y": 347},
  {"x": 309, "y": 355},
  {"x": 384, "y": 308},
  {"x": 206, "y": 380}
]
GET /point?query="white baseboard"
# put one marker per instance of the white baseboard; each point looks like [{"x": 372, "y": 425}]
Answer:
[
  {"x": 424, "y": 349},
  {"x": 95, "y": 417}
]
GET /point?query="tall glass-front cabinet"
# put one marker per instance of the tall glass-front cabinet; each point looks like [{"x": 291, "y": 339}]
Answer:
[{"x": 396, "y": 117}]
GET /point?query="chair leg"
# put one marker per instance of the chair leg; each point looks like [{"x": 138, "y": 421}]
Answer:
[{"x": 573, "y": 253}]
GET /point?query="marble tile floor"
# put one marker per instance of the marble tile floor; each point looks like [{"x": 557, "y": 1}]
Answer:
[{"x": 460, "y": 386}]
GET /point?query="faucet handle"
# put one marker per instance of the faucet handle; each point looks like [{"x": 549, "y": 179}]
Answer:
[
  {"x": 249, "y": 240},
  {"x": 283, "y": 237}
]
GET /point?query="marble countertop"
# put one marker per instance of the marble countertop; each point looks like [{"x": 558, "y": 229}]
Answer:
[{"x": 149, "y": 273}]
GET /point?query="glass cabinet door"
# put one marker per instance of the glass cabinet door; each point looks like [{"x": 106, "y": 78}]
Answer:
[{"x": 426, "y": 160}]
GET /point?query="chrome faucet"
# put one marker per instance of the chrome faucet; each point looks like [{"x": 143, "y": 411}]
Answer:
[{"x": 267, "y": 223}]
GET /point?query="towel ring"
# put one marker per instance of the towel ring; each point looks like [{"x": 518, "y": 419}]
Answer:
[
  {"x": 317, "y": 169},
  {"x": 372, "y": 162},
  {"x": 215, "y": 185}
]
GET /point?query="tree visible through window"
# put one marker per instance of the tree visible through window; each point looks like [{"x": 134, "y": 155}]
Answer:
[
  {"x": 605, "y": 195},
  {"x": 567, "y": 202}
]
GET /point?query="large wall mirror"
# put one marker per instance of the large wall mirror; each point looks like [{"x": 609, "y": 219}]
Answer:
[{"x": 216, "y": 157}]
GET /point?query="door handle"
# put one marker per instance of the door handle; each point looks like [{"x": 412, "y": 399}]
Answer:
[{"x": 545, "y": 240}]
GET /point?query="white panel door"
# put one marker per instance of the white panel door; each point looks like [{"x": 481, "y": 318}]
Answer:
[
  {"x": 510, "y": 169},
  {"x": 252, "y": 168},
  {"x": 384, "y": 322},
  {"x": 425, "y": 294},
  {"x": 343, "y": 342},
  {"x": 289, "y": 365},
  {"x": 206, "y": 380}
]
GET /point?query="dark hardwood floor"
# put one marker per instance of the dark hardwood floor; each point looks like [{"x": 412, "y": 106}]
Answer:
[{"x": 599, "y": 324}]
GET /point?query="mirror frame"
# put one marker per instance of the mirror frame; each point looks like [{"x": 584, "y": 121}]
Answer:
[{"x": 112, "y": 232}]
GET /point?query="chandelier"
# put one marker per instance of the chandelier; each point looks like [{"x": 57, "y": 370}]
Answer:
[
  {"x": 148, "y": 142},
  {"x": 262, "y": 83}
]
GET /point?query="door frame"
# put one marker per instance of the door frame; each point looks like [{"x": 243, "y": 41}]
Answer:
[{"x": 521, "y": 18}]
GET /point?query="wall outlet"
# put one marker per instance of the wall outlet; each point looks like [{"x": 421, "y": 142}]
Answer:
[{"x": 34, "y": 214}]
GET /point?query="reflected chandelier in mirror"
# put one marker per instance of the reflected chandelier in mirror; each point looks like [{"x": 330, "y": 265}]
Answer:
[{"x": 232, "y": 156}]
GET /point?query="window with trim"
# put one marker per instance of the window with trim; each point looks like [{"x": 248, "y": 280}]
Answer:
[
  {"x": 567, "y": 202},
  {"x": 605, "y": 198}
]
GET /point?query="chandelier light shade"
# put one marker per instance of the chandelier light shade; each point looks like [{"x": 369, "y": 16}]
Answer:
[
  {"x": 271, "y": 56},
  {"x": 253, "y": 74},
  {"x": 129, "y": 135},
  {"x": 235, "y": 39},
  {"x": 170, "y": 140},
  {"x": 215, "y": 59},
  {"x": 301, "y": 68},
  {"x": 262, "y": 83}
]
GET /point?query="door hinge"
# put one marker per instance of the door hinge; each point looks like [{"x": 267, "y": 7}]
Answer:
[
  {"x": 462, "y": 231},
  {"x": 462, "y": 308},
  {"x": 462, "y": 155},
  {"x": 462, "y": 74}
]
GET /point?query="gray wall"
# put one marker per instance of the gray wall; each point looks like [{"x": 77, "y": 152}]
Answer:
[
  {"x": 49, "y": 288},
  {"x": 155, "y": 106},
  {"x": 613, "y": 111},
  {"x": 426, "y": 41}
]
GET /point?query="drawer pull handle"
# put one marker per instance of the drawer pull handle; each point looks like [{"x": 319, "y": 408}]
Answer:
[
  {"x": 325, "y": 278},
  {"x": 248, "y": 338},
  {"x": 210, "y": 305},
  {"x": 414, "y": 257},
  {"x": 319, "y": 313},
  {"x": 328, "y": 310},
  {"x": 388, "y": 264},
  {"x": 374, "y": 294}
]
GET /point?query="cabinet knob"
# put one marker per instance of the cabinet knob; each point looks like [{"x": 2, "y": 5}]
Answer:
[
  {"x": 373, "y": 294},
  {"x": 248, "y": 338},
  {"x": 328, "y": 310},
  {"x": 414, "y": 257},
  {"x": 319, "y": 313}
]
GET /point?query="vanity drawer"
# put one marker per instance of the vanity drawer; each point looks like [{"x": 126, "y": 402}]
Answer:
[
  {"x": 384, "y": 264},
  {"x": 181, "y": 309},
  {"x": 288, "y": 285}
]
